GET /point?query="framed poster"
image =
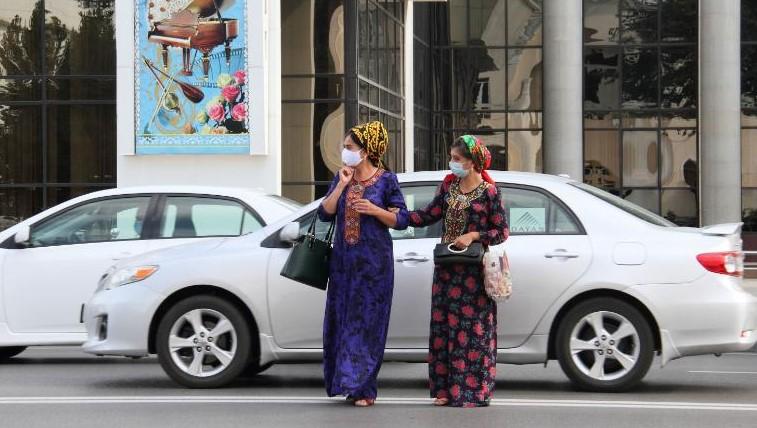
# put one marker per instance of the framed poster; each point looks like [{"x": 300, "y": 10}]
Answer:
[{"x": 191, "y": 89}]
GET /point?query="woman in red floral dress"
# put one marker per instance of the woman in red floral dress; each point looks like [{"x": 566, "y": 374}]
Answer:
[{"x": 463, "y": 337}]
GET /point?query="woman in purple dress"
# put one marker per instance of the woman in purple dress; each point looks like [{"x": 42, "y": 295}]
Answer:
[
  {"x": 463, "y": 338},
  {"x": 361, "y": 279}
]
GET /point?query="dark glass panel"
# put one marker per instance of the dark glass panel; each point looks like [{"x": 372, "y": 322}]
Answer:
[
  {"x": 749, "y": 210},
  {"x": 640, "y": 78},
  {"x": 524, "y": 22},
  {"x": 640, "y": 165},
  {"x": 602, "y": 159},
  {"x": 81, "y": 143},
  {"x": 680, "y": 207},
  {"x": 478, "y": 75},
  {"x": 80, "y": 37},
  {"x": 18, "y": 204},
  {"x": 649, "y": 199},
  {"x": 21, "y": 144},
  {"x": 749, "y": 76},
  {"x": 678, "y": 161},
  {"x": 601, "y": 24},
  {"x": 638, "y": 21},
  {"x": 20, "y": 90},
  {"x": 749, "y": 157},
  {"x": 679, "y": 83},
  {"x": 524, "y": 151},
  {"x": 487, "y": 23},
  {"x": 458, "y": 16},
  {"x": 679, "y": 20},
  {"x": 57, "y": 195},
  {"x": 601, "y": 78},
  {"x": 81, "y": 89},
  {"x": 748, "y": 21},
  {"x": 20, "y": 38}
]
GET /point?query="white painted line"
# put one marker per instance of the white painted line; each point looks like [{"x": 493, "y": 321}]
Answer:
[
  {"x": 720, "y": 372},
  {"x": 650, "y": 405}
]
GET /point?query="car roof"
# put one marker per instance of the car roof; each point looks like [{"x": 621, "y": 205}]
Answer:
[
  {"x": 518, "y": 177},
  {"x": 237, "y": 192}
]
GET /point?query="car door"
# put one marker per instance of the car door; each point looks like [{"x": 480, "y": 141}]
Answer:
[
  {"x": 413, "y": 273},
  {"x": 186, "y": 218},
  {"x": 548, "y": 251},
  {"x": 46, "y": 283}
]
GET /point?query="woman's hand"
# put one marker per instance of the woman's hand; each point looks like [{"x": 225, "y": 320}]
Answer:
[
  {"x": 366, "y": 207},
  {"x": 464, "y": 241},
  {"x": 345, "y": 176}
]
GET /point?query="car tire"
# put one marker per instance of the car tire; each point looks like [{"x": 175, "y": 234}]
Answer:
[
  {"x": 212, "y": 357},
  {"x": 8, "y": 352},
  {"x": 616, "y": 358}
]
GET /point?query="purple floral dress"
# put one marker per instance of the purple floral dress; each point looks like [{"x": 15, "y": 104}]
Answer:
[
  {"x": 361, "y": 283},
  {"x": 463, "y": 338}
]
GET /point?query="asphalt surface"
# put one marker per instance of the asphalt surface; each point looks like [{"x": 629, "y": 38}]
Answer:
[{"x": 61, "y": 387}]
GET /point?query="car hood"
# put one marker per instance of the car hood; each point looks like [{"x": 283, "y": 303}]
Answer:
[{"x": 183, "y": 251}]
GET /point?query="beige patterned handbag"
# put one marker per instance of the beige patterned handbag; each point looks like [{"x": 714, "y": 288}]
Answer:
[{"x": 497, "y": 279}]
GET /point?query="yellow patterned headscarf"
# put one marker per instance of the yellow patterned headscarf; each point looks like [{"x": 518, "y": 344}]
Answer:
[{"x": 373, "y": 138}]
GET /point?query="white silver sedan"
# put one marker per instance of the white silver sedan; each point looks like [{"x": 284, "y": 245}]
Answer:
[
  {"x": 51, "y": 262},
  {"x": 600, "y": 285}
]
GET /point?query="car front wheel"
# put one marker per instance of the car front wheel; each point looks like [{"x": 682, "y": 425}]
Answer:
[
  {"x": 605, "y": 345},
  {"x": 204, "y": 342},
  {"x": 9, "y": 352}
]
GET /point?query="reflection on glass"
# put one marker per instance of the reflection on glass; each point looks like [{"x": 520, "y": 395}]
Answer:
[
  {"x": 601, "y": 119},
  {"x": 748, "y": 20},
  {"x": 308, "y": 88},
  {"x": 81, "y": 89},
  {"x": 639, "y": 158},
  {"x": 679, "y": 83},
  {"x": 524, "y": 151},
  {"x": 458, "y": 29},
  {"x": 78, "y": 148},
  {"x": 601, "y": 21},
  {"x": 21, "y": 144},
  {"x": 524, "y": 22},
  {"x": 495, "y": 142},
  {"x": 524, "y": 77},
  {"x": 487, "y": 120},
  {"x": 527, "y": 120},
  {"x": 748, "y": 117},
  {"x": 749, "y": 157},
  {"x": 645, "y": 198},
  {"x": 78, "y": 36},
  {"x": 640, "y": 119},
  {"x": 639, "y": 78},
  {"x": 601, "y": 78},
  {"x": 57, "y": 195},
  {"x": 638, "y": 21},
  {"x": 679, "y": 19},
  {"x": 479, "y": 78},
  {"x": 680, "y": 207},
  {"x": 748, "y": 76},
  {"x": 19, "y": 90},
  {"x": 18, "y": 204},
  {"x": 678, "y": 119},
  {"x": 602, "y": 159},
  {"x": 749, "y": 209},
  {"x": 678, "y": 162},
  {"x": 487, "y": 22},
  {"x": 19, "y": 37}
]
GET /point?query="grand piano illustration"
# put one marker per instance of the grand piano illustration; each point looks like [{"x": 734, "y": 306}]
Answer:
[{"x": 191, "y": 24}]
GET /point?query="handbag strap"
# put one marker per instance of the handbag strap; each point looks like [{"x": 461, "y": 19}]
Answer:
[{"x": 329, "y": 234}]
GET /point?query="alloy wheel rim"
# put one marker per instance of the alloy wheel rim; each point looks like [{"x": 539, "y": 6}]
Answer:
[
  {"x": 202, "y": 342},
  {"x": 604, "y": 345}
]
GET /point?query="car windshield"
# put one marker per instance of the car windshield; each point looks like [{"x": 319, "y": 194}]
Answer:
[{"x": 626, "y": 206}]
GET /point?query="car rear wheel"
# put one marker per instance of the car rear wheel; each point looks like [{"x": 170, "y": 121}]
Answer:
[
  {"x": 204, "y": 342},
  {"x": 9, "y": 352},
  {"x": 605, "y": 345}
]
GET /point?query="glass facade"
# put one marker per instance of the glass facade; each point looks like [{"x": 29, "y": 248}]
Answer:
[
  {"x": 640, "y": 103},
  {"x": 478, "y": 70},
  {"x": 749, "y": 117},
  {"x": 57, "y": 103}
]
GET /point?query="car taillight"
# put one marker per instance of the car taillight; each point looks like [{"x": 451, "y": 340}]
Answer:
[{"x": 726, "y": 263}]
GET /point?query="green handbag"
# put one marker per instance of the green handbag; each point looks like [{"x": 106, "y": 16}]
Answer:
[{"x": 308, "y": 261}]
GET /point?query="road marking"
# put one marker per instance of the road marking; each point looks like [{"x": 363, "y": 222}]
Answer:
[
  {"x": 719, "y": 372},
  {"x": 650, "y": 405}
]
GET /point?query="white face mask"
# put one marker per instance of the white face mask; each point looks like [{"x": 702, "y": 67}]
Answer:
[{"x": 351, "y": 158}]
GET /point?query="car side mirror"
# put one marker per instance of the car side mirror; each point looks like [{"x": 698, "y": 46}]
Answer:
[
  {"x": 23, "y": 235},
  {"x": 290, "y": 233}
]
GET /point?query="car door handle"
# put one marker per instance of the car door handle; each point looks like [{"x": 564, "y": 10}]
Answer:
[
  {"x": 561, "y": 254},
  {"x": 412, "y": 258}
]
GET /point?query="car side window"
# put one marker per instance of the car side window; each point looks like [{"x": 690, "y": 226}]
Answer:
[
  {"x": 530, "y": 212},
  {"x": 116, "y": 219},
  {"x": 417, "y": 197},
  {"x": 195, "y": 217},
  {"x": 321, "y": 227}
]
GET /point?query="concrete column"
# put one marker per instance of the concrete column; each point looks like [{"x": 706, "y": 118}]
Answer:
[
  {"x": 407, "y": 72},
  {"x": 563, "y": 96},
  {"x": 720, "y": 111}
]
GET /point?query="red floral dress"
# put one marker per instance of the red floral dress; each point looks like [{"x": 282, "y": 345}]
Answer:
[{"x": 463, "y": 336}]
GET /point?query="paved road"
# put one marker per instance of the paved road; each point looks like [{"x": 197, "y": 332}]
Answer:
[{"x": 60, "y": 387}]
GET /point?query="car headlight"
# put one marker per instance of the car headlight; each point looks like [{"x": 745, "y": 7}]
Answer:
[{"x": 128, "y": 275}]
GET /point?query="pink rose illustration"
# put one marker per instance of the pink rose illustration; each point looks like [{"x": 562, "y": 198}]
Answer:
[
  {"x": 216, "y": 112},
  {"x": 239, "y": 112},
  {"x": 241, "y": 77},
  {"x": 230, "y": 92}
]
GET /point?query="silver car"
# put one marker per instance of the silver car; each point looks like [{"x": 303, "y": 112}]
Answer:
[{"x": 600, "y": 284}]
